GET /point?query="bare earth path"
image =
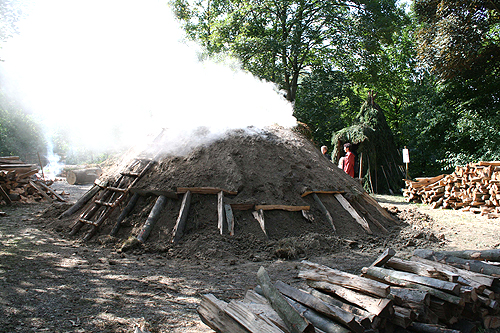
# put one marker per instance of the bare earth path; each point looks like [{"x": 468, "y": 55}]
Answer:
[{"x": 51, "y": 284}]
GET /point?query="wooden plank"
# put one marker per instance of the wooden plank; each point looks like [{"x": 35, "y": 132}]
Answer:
[
  {"x": 243, "y": 206},
  {"x": 180, "y": 224},
  {"x": 324, "y": 211},
  {"x": 382, "y": 307},
  {"x": 212, "y": 313},
  {"x": 253, "y": 323},
  {"x": 329, "y": 310},
  {"x": 221, "y": 217},
  {"x": 347, "y": 206},
  {"x": 205, "y": 190},
  {"x": 306, "y": 193},
  {"x": 229, "y": 219},
  {"x": 313, "y": 271},
  {"x": 282, "y": 207},
  {"x": 421, "y": 269},
  {"x": 293, "y": 320},
  {"x": 259, "y": 216}
]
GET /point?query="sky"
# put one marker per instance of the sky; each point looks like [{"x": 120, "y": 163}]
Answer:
[{"x": 112, "y": 71}]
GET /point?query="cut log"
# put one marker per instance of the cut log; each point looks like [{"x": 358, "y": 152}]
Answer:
[
  {"x": 230, "y": 219},
  {"x": 260, "y": 306},
  {"x": 411, "y": 295},
  {"x": 82, "y": 201},
  {"x": 472, "y": 265},
  {"x": 83, "y": 176},
  {"x": 379, "y": 274},
  {"x": 450, "y": 287},
  {"x": 221, "y": 216},
  {"x": 489, "y": 255},
  {"x": 5, "y": 196},
  {"x": 324, "y": 211},
  {"x": 491, "y": 322},
  {"x": 319, "y": 321},
  {"x": 347, "y": 206},
  {"x": 152, "y": 218},
  {"x": 316, "y": 272},
  {"x": 204, "y": 190},
  {"x": 212, "y": 313},
  {"x": 282, "y": 207},
  {"x": 384, "y": 257},
  {"x": 421, "y": 269},
  {"x": 382, "y": 307},
  {"x": 180, "y": 224},
  {"x": 294, "y": 321},
  {"x": 363, "y": 317},
  {"x": 329, "y": 310}
]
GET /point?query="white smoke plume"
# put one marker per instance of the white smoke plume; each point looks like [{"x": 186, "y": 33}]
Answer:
[{"x": 110, "y": 72}]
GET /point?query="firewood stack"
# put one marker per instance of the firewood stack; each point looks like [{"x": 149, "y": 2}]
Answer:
[
  {"x": 17, "y": 182},
  {"x": 474, "y": 188},
  {"x": 432, "y": 292}
]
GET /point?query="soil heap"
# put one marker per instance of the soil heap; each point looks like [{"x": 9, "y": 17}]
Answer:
[{"x": 274, "y": 166}]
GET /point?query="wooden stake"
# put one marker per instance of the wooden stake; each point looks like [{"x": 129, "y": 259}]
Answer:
[
  {"x": 347, "y": 206},
  {"x": 229, "y": 219},
  {"x": 152, "y": 218},
  {"x": 180, "y": 224},
  {"x": 324, "y": 211},
  {"x": 220, "y": 212}
]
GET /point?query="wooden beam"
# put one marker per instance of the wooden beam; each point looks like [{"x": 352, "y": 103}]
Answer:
[
  {"x": 384, "y": 257},
  {"x": 306, "y": 193},
  {"x": 152, "y": 218},
  {"x": 347, "y": 206},
  {"x": 180, "y": 224},
  {"x": 204, "y": 190},
  {"x": 229, "y": 219},
  {"x": 282, "y": 207},
  {"x": 221, "y": 217}
]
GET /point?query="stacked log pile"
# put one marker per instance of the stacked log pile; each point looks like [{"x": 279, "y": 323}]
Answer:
[
  {"x": 474, "y": 187},
  {"x": 431, "y": 292},
  {"x": 18, "y": 182}
]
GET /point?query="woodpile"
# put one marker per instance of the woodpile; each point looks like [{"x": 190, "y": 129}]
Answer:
[
  {"x": 18, "y": 182},
  {"x": 474, "y": 188},
  {"x": 431, "y": 292}
]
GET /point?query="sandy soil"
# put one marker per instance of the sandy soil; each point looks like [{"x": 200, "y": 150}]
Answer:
[{"x": 50, "y": 283}]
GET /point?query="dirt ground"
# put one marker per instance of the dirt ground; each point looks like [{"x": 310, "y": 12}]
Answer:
[{"x": 51, "y": 283}]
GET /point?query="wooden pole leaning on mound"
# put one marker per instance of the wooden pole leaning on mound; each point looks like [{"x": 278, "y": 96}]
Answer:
[
  {"x": 130, "y": 205},
  {"x": 152, "y": 218},
  {"x": 294, "y": 321},
  {"x": 82, "y": 201},
  {"x": 180, "y": 224},
  {"x": 324, "y": 211}
]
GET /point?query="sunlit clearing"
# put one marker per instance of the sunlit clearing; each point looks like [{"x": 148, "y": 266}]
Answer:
[{"x": 110, "y": 72}]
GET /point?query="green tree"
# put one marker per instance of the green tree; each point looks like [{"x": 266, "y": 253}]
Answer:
[{"x": 280, "y": 40}]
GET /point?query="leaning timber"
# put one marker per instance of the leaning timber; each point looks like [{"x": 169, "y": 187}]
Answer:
[{"x": 152, "y": 218}]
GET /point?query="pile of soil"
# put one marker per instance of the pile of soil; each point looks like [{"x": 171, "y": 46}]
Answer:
[{"x": 265, "y": 167}]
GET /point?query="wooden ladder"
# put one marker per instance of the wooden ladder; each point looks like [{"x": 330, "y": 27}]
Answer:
[{"x": 111, "y": 197}]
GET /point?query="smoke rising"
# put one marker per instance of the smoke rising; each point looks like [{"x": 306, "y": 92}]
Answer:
[{"x": 110, "y": 73}]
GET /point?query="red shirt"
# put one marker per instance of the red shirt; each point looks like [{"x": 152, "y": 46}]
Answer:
[{"x": 349, "y": 164}]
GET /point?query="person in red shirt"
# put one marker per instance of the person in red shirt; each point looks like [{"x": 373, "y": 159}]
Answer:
[{"x": 348, "y": 160}]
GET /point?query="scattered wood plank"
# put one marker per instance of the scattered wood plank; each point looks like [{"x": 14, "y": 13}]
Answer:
[
  {"x": 42, "y": 192},
  {"x": 212, "y": 313}
]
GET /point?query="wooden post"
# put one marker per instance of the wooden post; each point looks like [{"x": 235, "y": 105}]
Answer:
[
  {"x": 347, "y": 206},
  {"x": 324, "y": 211},
  {"x": 130, "y": 205},
  {"x": 220, "y": 210},
  {"x": 230, "y": 219},
  {"x": 41, "y": 166},
  {"x": 82, "y": 201},
  {"x": 180, "y": 225},
  {"x": 259, "y": 216},
  {"x": 152, "y": 218}
]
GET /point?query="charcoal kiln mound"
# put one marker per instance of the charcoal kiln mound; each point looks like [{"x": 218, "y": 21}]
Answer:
[{"x": 249, "y": 192}]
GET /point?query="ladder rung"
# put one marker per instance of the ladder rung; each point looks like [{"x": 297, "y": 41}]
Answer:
[
  {"x": 87, "y": 221},
  {"x": 116, "y": 189},
  {"x": 130, "y": 174},
  {"x": 108, "y": 204}
]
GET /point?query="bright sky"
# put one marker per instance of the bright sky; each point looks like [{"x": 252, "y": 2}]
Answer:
[{"x": 113, "y": 70}]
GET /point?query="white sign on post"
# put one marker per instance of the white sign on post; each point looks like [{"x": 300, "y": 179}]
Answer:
[{"x": 406, "y": 156}]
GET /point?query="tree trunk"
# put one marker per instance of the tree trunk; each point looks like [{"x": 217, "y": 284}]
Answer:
[{"x": 83, "y": 176}]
